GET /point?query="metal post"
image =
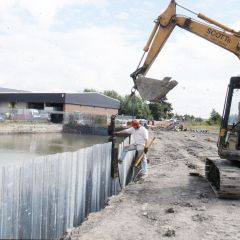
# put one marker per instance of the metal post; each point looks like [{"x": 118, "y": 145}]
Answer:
[{"x": 112, "y": 138}]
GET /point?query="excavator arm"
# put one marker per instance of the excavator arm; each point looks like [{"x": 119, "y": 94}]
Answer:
[
  {"x": 223, "y": 174},
  {"x": 163, "y": 27},
  {"x": 210, "y": 30}
]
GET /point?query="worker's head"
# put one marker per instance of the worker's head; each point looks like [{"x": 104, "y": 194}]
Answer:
[{"x": 135, "y": 124}]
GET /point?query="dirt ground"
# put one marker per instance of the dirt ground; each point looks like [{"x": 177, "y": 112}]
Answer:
[{"x": 174, "y": 202}]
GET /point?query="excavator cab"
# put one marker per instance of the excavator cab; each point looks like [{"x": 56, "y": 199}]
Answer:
[
  {"x": 223, "y": 173},
  {"x": 229, "y": 136}
]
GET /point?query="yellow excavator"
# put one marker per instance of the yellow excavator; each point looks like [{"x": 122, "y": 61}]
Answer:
[{"x": 223, "y": 173}]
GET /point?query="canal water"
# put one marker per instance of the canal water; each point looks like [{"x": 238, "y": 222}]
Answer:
[{"x": 21, "y": 147}]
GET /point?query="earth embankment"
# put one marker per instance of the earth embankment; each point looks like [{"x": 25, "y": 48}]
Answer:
[
  {"x": 174, "y": 202},
  {"x": 8, "y": 128}
]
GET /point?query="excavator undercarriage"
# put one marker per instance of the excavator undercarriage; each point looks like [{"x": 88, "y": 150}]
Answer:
[{"x": 224, "y": 177}]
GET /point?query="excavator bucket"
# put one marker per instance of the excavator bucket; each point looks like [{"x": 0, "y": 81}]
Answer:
[{"x": 153, "y": 89}]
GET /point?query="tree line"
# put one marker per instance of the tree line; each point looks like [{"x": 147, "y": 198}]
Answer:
[{"x": 135, "y": 106}]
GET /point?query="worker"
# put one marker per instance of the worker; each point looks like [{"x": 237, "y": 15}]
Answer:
[{"x": 140, "y": 143}]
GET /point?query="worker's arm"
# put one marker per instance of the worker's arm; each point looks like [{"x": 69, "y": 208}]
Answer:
[
  {"x": 125, "y": 132},
  {"x": 146, "y": 143},
  {"x": 121, "y": 133},
  {"x": 146, "y": 146}
]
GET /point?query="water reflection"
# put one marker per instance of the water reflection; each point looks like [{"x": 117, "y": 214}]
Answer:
[{"x": 19, "y": 147}]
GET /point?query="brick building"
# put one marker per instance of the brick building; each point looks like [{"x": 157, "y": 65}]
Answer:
[{"x": 89, "y": 102}]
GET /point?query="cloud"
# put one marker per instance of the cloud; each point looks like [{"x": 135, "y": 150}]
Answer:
[
  {"x": 43, "y": 11},
  {"x": 122, "y": 16},
  {"x": 90, "y": 57},
  {"x": 44, "y": 50},
  {"x": 34, "y": 58}
]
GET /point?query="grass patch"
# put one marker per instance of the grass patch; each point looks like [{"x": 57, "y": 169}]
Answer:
[{"x": 203, "y": 126}]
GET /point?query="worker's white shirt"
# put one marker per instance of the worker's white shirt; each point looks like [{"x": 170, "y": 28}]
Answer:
[{"x": 139, "y": 135}]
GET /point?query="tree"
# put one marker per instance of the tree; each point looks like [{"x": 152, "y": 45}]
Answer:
[
  {"x": 198, "y": 119},
  {"x": 188, "y": 118},
  {"x": 135, "y": 106},
  {"x": 161, "y": 109},
  {"x": 90, "y": 90},
  {"x": 215, "y": 117},
  {"x": 142, "y": 109},
  {"x": 113, "y": 94}
]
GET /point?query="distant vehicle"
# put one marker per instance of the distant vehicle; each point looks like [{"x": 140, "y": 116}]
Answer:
[
  {"x": 81, "y": 122},
  {"x": 121, "y": 122},
  {"x": 39, "y": 115},
  {"x": 25, "y": 115},
  {"x": 85, "y": 122}
]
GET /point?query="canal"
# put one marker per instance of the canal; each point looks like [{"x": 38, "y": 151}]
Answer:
[{"x": 21, "y": 147}]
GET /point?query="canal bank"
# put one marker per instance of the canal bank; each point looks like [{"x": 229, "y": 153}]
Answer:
[
  {"x": 8, "y": 128},
  {"x": 18, "y": 128}
]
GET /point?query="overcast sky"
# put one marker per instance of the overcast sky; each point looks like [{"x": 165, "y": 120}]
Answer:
[{"x": 69, "y": 45}]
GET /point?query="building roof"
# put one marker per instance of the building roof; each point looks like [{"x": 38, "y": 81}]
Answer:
[
  {"x": 92, "y": 99},
  {"x": 10, "y": 90},
  {"x": 32, "y": 97},
  {"x": 84, "y": 99}
]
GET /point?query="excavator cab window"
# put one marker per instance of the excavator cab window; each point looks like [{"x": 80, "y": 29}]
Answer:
[
  {"x": 231, "y": 116},
  {"x": 234, "y": 121},
  {"x": 234, "y": 115}
]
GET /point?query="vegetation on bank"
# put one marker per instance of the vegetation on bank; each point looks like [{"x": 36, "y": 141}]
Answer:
[
  {"x": 203, "y": 126},
  {"x": 211, "y": 124}
]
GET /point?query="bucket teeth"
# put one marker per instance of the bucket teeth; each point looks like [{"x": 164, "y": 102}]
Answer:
[{"x": 153, "y": 89}]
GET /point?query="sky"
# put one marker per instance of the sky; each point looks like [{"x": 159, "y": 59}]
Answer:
[{"x": 70, "y": 45}]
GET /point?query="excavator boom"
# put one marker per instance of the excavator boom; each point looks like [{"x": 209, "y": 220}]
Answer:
[{"x": 210, "y": 30}]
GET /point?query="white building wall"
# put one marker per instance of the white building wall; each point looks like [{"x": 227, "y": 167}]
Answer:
[
  {"x": 5, "y": 105},
  {"x": 20, "y": 105},
  {"x": 16, "y": 105}
]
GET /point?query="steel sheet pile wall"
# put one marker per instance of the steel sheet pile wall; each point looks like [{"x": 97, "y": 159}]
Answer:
[
  {"x": 43, "y": 197},
  {"x": 125, "y": 171}
]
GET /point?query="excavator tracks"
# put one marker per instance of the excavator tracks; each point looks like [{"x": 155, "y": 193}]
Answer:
[{"x": 224, "y": 177}]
